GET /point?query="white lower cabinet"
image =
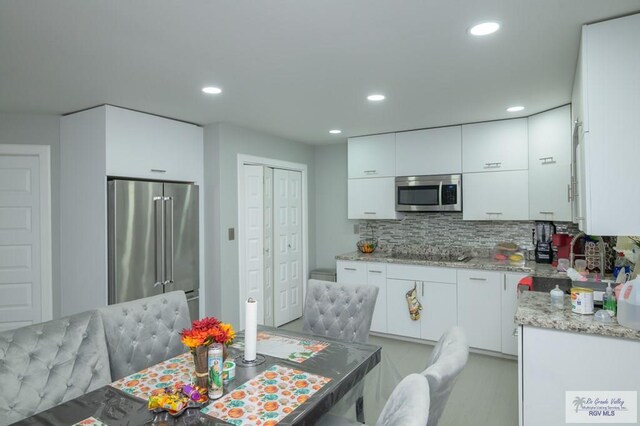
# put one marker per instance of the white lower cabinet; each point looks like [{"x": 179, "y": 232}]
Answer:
[
  {"x": 509, "y": 301},
  {"x": 359, "y": 273},
  {"x": 377, "y": 276},
  {"x": 398, "y": 320},
  {"x": 479, "y": 308}
]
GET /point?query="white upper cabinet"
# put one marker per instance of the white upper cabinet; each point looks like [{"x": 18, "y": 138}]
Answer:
[
  {"x": 372, "y": 198},
  {"x": 610, "y": 103},
  {"x": 146, "y": 146},
  {"x": 495, "y": 146},
  {"x": 372, "y": 156},
  {"x": 429, "y": 152},
  {"x": 496, "y": 196},
  {"x": 550, "y": 188},
  {"x": 550, "y": 138}
]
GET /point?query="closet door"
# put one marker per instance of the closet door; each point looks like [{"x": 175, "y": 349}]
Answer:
[
  {"x": 287, "y": 231},
  {"x": 268, "y": 246},
  {"x": 254, "y": 234}
]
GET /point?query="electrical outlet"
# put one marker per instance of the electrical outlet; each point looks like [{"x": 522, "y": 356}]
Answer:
[
  {"x": 232, "y": 234},
  {"x": 356, "y": 228}
]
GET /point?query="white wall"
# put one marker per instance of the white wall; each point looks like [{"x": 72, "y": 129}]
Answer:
[
  {"x": 334, "y": 232},
  {"x": 222, "y": 144},
  {"x": 40, "y": 129}
]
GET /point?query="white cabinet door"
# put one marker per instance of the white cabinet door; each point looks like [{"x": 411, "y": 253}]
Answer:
[
  {"x": 151, "y": 147},
  {"x": 439, "y": 309},
  {"x": 479, "y": 306},
  {"x": 550, "y": 138},
  {"x": 372, "y": 156},
  {"x": 509, "y": 300},
  {"x": 376, "y": 276},
  {"x": 429, "y": 152},
  {"x": 371, "y": 198},
  {"x": 496, "y": 145},
  {"x": 351, "y": 272},
  {"x": 496, "y": 196},
  {"x": 398, "y": 319},
  {"x": 549, "y": 192}
]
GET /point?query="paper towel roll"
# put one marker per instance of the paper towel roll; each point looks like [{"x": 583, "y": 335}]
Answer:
[{"x": 250, "y": 330}]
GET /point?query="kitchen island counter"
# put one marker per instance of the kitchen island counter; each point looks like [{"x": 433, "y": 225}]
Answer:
[{"x": 534, "y": 310}]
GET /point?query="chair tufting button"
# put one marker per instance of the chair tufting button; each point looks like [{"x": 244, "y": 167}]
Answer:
[
  {"x": 41, "y": 395},
  {"x": 154, "y": 336},
  {"x": 144, "y": 306},
  {"x": 49, "y": 366},
  {"x": 20, "y": 378},
  {"x": 85, "y": 335},
  {"x": 39, "y": 332}
]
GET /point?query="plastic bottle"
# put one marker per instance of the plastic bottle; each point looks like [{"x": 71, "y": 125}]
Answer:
[
  {"x": 609, "y": 300},
  {"x": 557, "y": 299}
]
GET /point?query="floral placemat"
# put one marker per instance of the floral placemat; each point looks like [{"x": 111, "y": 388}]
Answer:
[
  {"x": 91, "y": 421},
  {"x": 267, "y": 398},
  {"x": 166, "y": 373},
  {"x": 294, "y": 349}
]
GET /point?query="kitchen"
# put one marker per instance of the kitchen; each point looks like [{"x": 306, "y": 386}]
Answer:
[{"x": 448, "y": 192}]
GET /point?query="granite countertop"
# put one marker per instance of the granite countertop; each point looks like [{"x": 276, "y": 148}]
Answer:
[
  {"x": 529, "y": 267},
  {"x": 534, "y": 310}
]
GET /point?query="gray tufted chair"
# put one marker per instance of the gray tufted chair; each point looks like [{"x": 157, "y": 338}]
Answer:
[
  {"x": 339, "y": 311},
  {"x": 342, "y": 312},
  {"x": 408, "y": 405},
  {"x": 46, "y": 364},
  {"x": 144, "y": 332},
  {"x": 447, "y": 361}
]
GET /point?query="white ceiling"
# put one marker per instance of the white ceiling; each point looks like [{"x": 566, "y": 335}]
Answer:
[{"x": 294, "y": 68}]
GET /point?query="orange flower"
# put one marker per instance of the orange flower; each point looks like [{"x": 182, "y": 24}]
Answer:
[{"x": 207, "y": 331}]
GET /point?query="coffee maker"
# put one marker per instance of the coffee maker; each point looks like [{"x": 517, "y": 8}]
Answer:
[{"x": 542, "y": 237}]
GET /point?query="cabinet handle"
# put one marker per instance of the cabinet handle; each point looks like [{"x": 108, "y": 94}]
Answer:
[
  {"x": 546, "y": 212},
  {"x": 569, "y": 195},
  {"x": 423, "y": 289},
  {"x": 492, "y": 165},
  {"x": 158, "y": 171},
  {"x": 349, "y": 269},
  {"x": 369, "y": 172},
  {"x": 377, "y": 272},
  {"x": 504, "y": 283},
  {"x": 515, "y": 332},
  {"x": 490, "y": 213},
  {"x": 477, "y": 279},
  {"x": 369, "y": 212},
  {"x": 547, "y": 160}
]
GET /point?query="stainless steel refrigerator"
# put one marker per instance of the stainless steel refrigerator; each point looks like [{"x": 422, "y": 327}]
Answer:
[{"x": 153, "y": 240}]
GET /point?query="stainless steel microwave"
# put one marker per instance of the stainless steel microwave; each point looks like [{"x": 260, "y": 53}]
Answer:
[{"x": 437, "y": 193}]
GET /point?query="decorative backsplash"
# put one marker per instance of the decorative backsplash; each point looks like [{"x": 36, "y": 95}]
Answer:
[{"x": 448, "y": 229}]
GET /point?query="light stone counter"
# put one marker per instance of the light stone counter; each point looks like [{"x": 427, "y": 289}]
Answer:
[
  {"x": 535, "y": 269},
  {"x": 534, "y": 310}
]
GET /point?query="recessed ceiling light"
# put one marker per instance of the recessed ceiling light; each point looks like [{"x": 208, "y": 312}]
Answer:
[
  {"x": 375, "y": 98},
  {"x": 515, "y": 108},
  {"x": 484, "y": 28},
  {"x": 211, "y": 90},
  {"x": 335, "y": 131}
]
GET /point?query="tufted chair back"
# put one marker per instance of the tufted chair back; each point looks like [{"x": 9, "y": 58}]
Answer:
[
  {"x": 340, "y": 311},
  {"x": 144, "y": 332},
  {"x": 49, "y": 363},
  {"x": 447, "y": 361}
]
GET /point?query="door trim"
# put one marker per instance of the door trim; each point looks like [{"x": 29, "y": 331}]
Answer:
[
  {"x": 43, "y": 152},
  {"x": 278, "y": 164}
]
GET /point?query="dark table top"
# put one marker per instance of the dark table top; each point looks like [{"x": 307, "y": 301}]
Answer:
[{"x": 345, "y": 363}]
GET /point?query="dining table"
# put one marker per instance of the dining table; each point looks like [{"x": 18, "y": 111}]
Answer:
[{"x": 335, "y": 366}]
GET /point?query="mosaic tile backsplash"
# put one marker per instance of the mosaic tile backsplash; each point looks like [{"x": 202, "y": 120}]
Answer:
[{"x": 448, "y": 229}]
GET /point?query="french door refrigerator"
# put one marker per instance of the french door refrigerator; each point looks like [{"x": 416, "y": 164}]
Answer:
[{"x": 153, "y": 240}]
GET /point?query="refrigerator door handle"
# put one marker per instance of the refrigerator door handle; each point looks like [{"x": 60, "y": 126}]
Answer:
[
  {"x": 158, "y": 207},
  {"x": 169, "y": 252}
]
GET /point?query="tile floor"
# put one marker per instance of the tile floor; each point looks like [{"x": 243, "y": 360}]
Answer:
[{"x": 486, "y": 392}]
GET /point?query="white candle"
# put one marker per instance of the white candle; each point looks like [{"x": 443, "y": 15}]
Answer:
[{"x": 251, "y": 330}]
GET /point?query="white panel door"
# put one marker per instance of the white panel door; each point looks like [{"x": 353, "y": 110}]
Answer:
[
  {"x": 254, "y": 234},
  {"x": 268, "y": 246},
  {"x": 287, "y": 231},
  {"x": 20, "y": 282}
]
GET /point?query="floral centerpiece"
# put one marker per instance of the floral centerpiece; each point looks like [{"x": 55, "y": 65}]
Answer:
[{"x": 203, "y": 333}]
